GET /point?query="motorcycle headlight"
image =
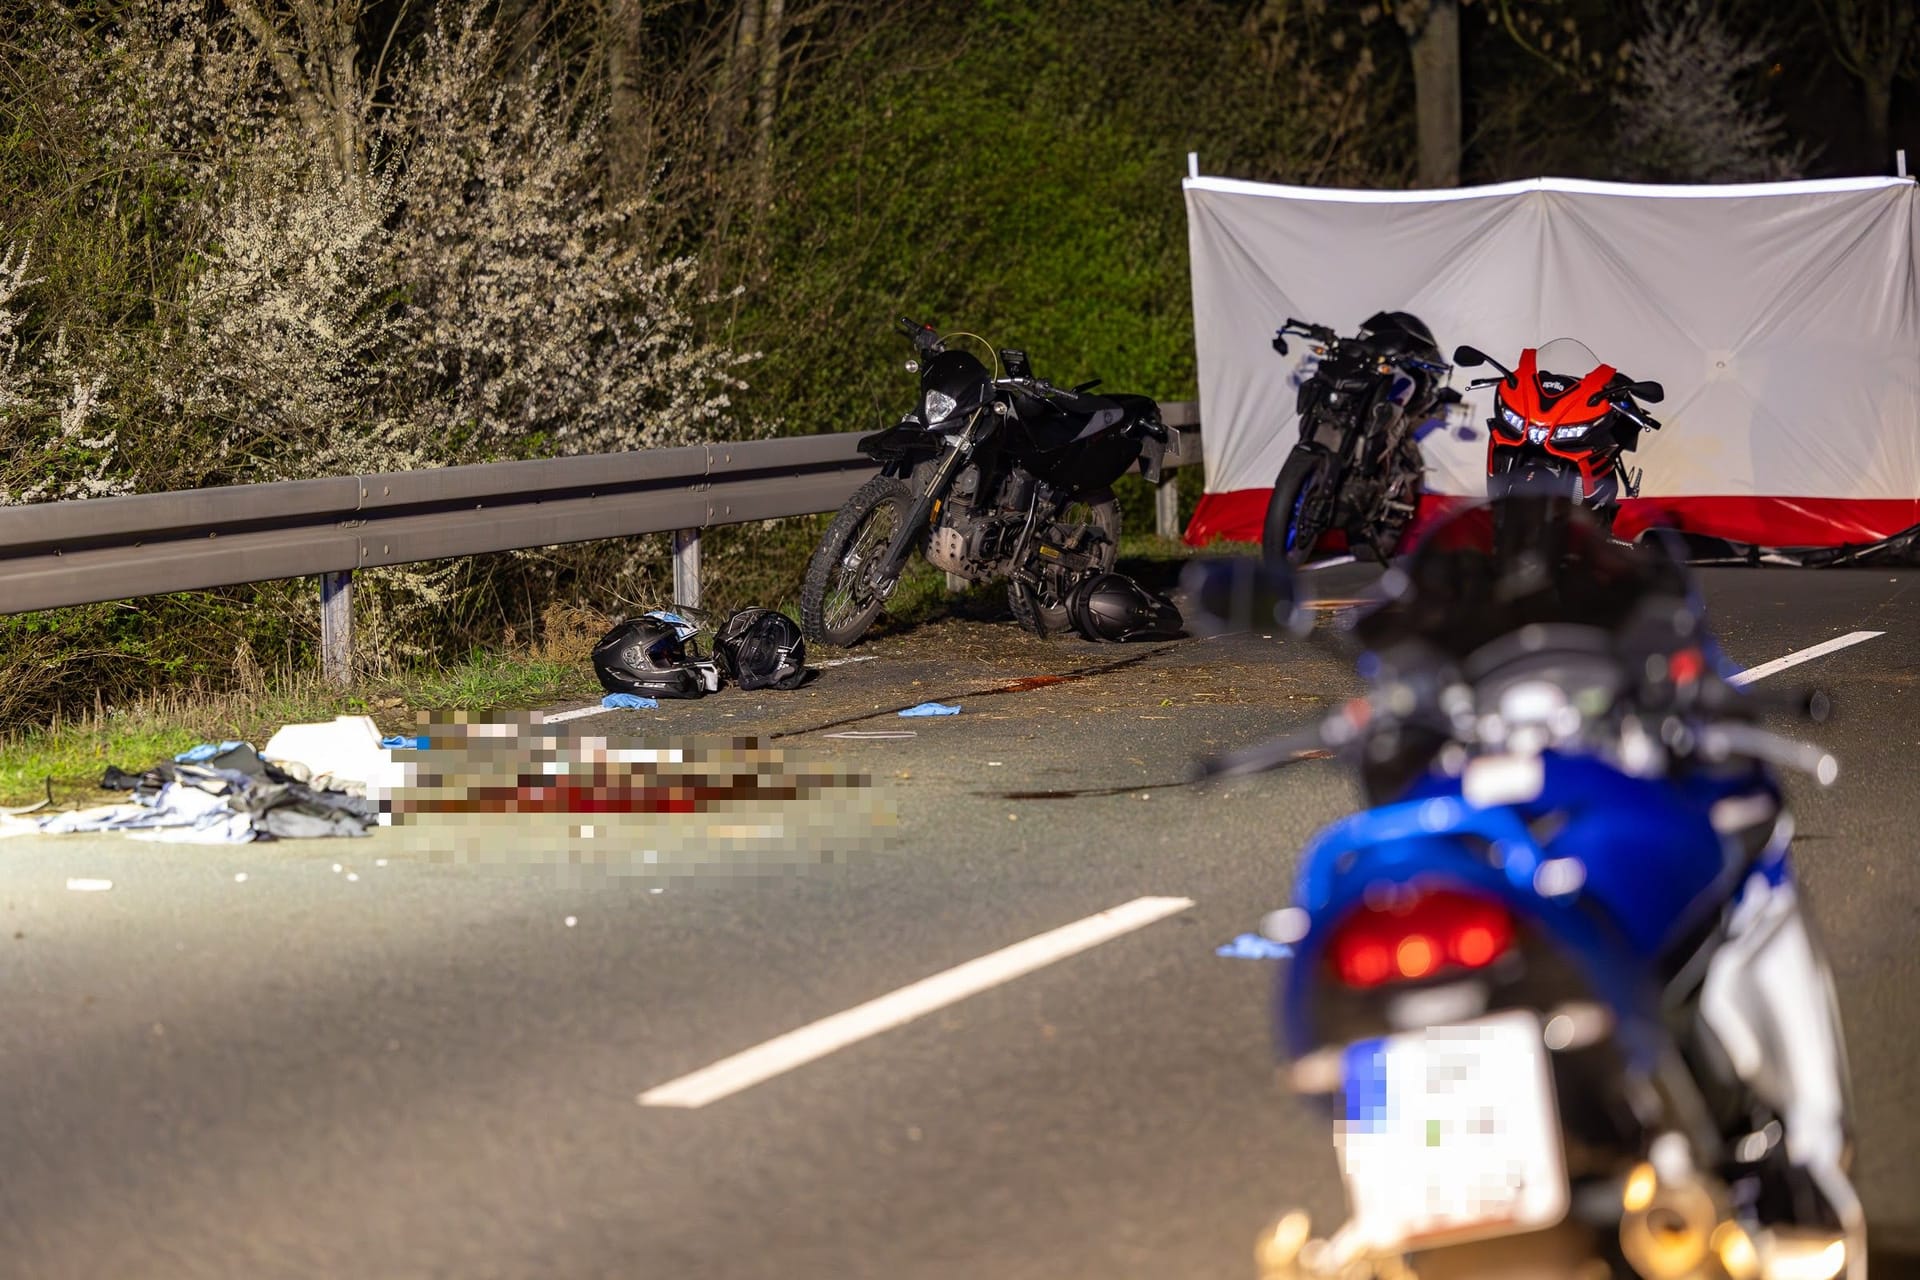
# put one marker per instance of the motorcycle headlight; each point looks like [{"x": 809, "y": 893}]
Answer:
[
  {"x": 1514, "y": 420},
  {"x": 940, "y": 407},
  {"x": 1570, "y": 433}
]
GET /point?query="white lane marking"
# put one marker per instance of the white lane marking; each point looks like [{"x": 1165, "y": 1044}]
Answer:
[
  {"x": 841, "y": 662},
  {"x": 816, "y": 1040},
  {"x": 1799, "y": 656},
  {"x": 1328, "y": 564},
  {"x": 576, "y": 714}
]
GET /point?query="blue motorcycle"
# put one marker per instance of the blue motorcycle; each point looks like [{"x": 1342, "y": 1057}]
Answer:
[{"x": 1555, "y": 986}]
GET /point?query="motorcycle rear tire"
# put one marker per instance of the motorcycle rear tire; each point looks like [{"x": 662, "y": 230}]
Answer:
[
  {"x": 828, "y": 565},
  {"x": 1043, "y": 619},
  {"x": 1281, "y": 540}
]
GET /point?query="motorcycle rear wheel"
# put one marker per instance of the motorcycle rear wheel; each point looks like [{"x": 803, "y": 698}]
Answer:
[
  {"x": 1044, "y": 616},
  {"x": 1298, "y": 514},
  {"x": 837, "y": 605}
]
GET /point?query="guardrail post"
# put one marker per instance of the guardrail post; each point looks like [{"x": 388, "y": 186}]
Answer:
[
  {"x": 336, "y": 627},
  {"x": 1166, "y": 508},
  {"x": 686, "y": 568}
]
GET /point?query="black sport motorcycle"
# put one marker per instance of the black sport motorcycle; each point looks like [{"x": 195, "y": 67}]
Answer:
[
  {"x": 1357, "y": 466},
  {"x": 995, "y": 474}
]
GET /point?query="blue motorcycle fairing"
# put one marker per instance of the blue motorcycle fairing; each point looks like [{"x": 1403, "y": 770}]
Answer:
[{"x": 1655, "y": 869}]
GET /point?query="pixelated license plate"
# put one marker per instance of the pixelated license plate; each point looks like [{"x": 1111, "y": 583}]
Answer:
[{"x": 1452, "y": 1133}]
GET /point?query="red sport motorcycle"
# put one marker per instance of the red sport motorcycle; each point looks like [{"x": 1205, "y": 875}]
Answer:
[{"x": 1561, "y": 421}]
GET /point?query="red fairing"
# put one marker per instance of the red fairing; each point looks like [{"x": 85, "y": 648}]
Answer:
[{"x": 1522, "y": 395}]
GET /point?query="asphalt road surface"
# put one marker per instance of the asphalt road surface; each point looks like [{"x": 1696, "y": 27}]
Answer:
[{"x": 416, "y": 1067}]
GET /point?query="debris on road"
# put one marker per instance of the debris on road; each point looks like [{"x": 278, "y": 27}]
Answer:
[
  {"x": 629, "y": 702},
  {"x": 36, "y": 807},
  {"x": 343, "y": 755},
  {"x": 207, "y": 751},
  {"x": 1251, "y": 946},
  {"x": 931, "y": 709}
]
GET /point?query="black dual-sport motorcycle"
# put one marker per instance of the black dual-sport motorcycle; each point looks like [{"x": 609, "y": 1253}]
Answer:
[
  {"x": 995, "y": 474},
  {"x": 1357, "y": 466}
]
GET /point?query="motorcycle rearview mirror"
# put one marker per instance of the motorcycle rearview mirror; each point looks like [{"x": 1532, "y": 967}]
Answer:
[
  {"x": 1650, "y": 392},
  {"x": 1280, "y": 343},
  {"x": 1242, "y": 593},
  {"x": 1807, "y": 703},
  {"x": 1468, "y": 357}
]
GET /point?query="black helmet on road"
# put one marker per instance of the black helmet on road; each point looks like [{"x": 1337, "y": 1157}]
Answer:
[
  {"x": 654, "y": 656},
  {"x": 1113, "y": 607},
  {"x": 761, "y": 649}
]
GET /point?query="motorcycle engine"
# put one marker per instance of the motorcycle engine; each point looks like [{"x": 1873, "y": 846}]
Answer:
[
  {"x": 955, "y": 525},
  {"x": 963, "y": 542}
]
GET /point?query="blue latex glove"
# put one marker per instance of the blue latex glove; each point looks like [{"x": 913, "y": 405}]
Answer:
[
  {"x": 1251, "y": 946},
  {"x": 205, "y": 751},
  {"x": 404, "y": 743},
  {"x": 629, "y": 701},
  {"x": 931, "y": 709}
]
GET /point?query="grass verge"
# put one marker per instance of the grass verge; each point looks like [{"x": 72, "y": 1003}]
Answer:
[{"x": 69, "y": 756}]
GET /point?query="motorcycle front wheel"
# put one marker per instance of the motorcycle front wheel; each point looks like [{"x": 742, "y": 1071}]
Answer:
[
  {"x": 1044, "y": 612},
  {"x": 837, "y": 603},
  {"x": 1300, "y": 511}
]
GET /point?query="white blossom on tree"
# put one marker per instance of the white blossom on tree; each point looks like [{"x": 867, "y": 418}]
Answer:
[{"x": 1689, "y": 111}]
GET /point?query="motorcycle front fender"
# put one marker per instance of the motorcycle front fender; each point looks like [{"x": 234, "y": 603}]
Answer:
[
  {"x": 1322, "y": 434},
  {"x": 903, "y": 442}
]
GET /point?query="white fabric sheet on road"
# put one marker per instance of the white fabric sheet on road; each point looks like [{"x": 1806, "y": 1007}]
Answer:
[{"x": 1782, "y": 318}]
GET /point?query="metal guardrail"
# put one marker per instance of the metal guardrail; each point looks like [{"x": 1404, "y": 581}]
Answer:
[{"x": 54, "y": 555}]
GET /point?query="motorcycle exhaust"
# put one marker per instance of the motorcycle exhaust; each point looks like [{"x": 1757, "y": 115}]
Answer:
[
  {"x": 1288, "y": 1251},
  {"x": 1667, "y": 1227}
]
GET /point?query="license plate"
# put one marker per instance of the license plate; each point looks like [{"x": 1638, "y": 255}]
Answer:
[{"x": 1451, "y": 1133}]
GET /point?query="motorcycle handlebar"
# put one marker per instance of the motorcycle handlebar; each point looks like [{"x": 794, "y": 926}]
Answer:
[
  {"x": 1307, "y": 330},
  {"x": 1263, "y": 756},
  {"x": 1329, "y": 734},
  {"x": 1636, "y": 415},
  {"x": 1721, "y": 741},
  {"x": 923, "y": 336}
]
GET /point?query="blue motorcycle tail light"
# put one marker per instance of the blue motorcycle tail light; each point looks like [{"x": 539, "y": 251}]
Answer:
[{"x": 1419, "y": 935}]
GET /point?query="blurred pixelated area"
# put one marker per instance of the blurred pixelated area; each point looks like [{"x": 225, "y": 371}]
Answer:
[{"x": 516, "y": 791}]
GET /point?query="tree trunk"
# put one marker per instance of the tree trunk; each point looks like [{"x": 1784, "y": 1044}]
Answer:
[
  {"x": 1877, "y": 95},
  {"x": 626, "y": 141},
  {"x": 736, "y": 77},
  {"x": 1436, "y": 90},
  {"x": 771, "y": 31}
]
